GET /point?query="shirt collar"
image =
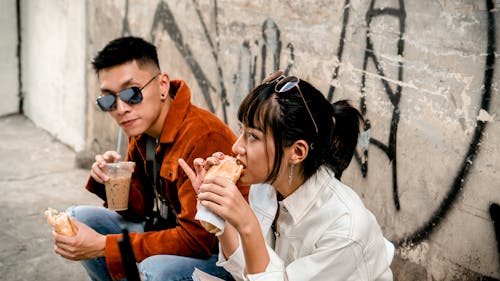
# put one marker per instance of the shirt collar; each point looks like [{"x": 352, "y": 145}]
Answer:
[
  {"x": 308, "y": 194},
  {"x": 181, "y": 94}
]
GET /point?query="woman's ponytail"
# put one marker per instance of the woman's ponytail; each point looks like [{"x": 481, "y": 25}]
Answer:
[{"x": 346, "y": 120}]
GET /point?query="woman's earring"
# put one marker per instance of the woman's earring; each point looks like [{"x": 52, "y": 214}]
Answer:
[
  {"x": 290, "y": 176},
  {"x": 162, "y": 96}
]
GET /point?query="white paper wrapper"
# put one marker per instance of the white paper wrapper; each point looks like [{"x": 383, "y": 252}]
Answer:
[{"x": 205, "y": 215}]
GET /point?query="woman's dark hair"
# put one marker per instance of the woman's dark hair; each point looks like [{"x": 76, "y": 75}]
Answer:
[
  {"x": 285, "y": 116},
  {"x": 123, "y": 50}
]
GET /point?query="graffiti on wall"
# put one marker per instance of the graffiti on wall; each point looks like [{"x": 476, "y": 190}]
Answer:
[
  {"x": 394, "y": 96},
  {"x": 260, "y": 56}
]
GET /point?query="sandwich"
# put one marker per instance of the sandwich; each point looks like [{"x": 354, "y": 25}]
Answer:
[
  {"x": 228, "y": 168},
  {"x": 61, "y": 222}
]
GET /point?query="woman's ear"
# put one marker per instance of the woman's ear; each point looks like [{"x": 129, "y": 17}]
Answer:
[{"x": 299, "y": 151}]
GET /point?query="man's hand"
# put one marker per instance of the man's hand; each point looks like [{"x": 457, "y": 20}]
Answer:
[
  {"x": 86, "y": 244},
  {"x": 100, "y": 162}
]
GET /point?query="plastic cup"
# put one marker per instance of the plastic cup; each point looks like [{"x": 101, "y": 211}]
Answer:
[{"x": 118, "y": 185}]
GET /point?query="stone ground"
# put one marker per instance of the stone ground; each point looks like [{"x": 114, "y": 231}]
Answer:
[{"x": 36, "y": 172}]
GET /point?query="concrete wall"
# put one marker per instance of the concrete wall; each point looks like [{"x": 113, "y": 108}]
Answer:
[
  {"x": 9, "y": 86},
  {"x": 425, "y": 74},
  {"x": 54, "y": 67}
]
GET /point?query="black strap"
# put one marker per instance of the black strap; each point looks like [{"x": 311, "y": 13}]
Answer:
[
  {"x": 153, "y": 170},
  {"x": 128, "y": 257},
  {"x": 151, "y": 161},
  {"x": 161, "y": 203}
]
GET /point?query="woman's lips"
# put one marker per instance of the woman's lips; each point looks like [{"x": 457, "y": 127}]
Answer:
[
  {"x": 239, "y": 162},
  {"x": 242, "y": 164}
]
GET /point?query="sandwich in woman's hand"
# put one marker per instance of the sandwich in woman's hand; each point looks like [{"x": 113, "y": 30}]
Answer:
[
  {"x": 228, "y": 168},
  {"x": 61, "y": 222}
]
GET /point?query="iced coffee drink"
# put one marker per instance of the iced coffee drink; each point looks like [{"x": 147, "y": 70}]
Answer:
[{"x": 118, "y": 185}]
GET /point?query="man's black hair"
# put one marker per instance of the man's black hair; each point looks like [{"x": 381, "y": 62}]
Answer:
[{"x": 123, "y": 50}]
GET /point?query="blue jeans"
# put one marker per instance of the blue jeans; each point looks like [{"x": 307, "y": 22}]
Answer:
[{"x": 159, "y": 267}]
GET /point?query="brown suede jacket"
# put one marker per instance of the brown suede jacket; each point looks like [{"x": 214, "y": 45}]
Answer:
[{"x": 188, "y": 132}]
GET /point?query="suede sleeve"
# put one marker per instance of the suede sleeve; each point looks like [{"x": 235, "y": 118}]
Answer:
[{"x": 96, "y": 188}]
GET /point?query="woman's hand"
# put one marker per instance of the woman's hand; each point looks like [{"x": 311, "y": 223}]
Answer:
[
  {"x": 223, "y": 197},
  {"x": 218, "y": 194},
  {"x": 200, "y": 169}
]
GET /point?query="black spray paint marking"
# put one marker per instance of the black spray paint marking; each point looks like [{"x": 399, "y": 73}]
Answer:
[
  {"x": 215, "y": 51},
  {"x": 271, "y": 53},
  {"x": 495, "y": 217},
  {"x": 165, "y": 19},
  {"x": 428, "y": 228},
  {"x": 434, "y": 221},
  {"x": 393, "y": 95},
  {"x": 125, "y": 23},
  {"x": 340, "y": 51}
]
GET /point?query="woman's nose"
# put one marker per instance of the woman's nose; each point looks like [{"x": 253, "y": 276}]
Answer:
[{"x": 238, "y": 147}]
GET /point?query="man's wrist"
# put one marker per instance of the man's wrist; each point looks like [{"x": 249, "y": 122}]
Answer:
[{"x": 102, "y": 246}]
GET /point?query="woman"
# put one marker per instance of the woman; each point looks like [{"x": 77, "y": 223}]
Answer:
[{"x": 313, "y": 227}]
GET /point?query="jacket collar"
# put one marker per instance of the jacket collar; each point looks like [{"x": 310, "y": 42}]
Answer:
[
  {"x": 181, "y": 100},
  {"x": 309, "y": 194},
  {"x": 181, "y": 95}
]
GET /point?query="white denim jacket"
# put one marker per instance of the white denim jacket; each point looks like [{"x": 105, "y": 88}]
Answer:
[{"x": 324, "y": 232}]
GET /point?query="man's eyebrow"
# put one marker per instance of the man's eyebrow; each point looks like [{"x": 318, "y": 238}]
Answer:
[
  {"x": 123, "y": 86},
  {"x": 107, "y": 91}
]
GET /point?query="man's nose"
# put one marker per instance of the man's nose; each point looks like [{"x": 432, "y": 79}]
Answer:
[{"x": 121, "y": 106}]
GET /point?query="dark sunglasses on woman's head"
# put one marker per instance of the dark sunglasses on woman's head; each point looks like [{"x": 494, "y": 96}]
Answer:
[
  {"x": 132, "y": 95},
  {"x": 284, "y": 84}
]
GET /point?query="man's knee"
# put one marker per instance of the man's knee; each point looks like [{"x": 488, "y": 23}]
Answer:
[
  {"x": 83, "y": 213},
  {"x": 171, "y": 267},
  {"x": 163, "y": 267},
  {"x": 98, "y": 218}
]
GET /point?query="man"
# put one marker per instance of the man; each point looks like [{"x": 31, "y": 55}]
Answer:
[{"x": 157, "y": 115}]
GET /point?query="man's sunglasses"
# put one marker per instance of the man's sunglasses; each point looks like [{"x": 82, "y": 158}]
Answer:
[
  {"x": 132, "y": 95},
  {"x": 284, "y": 84}
]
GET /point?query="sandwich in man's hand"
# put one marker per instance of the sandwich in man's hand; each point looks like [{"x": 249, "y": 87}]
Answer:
[{"x": 61, "y": 222}]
